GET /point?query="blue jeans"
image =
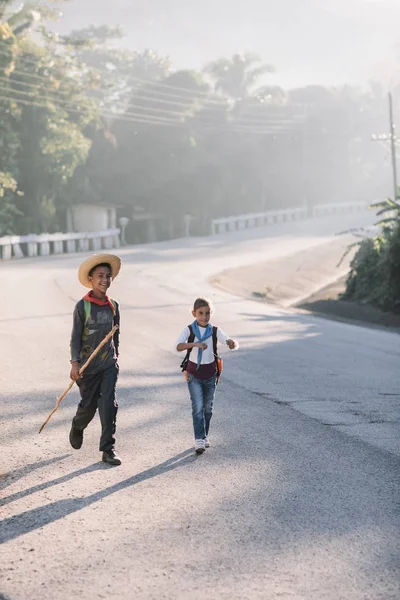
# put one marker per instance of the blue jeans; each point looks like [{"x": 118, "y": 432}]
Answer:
[{"x": 202, "y": 392}]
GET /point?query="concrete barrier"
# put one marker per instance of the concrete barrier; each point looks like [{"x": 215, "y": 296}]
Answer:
[
  {"x": 320, "y": 210},
  {"x": 272, "y": 217},
  {"x": 253, "y": 220},
  {"x": 58, "y": 243},
  {"x": 15, "y": 246}
]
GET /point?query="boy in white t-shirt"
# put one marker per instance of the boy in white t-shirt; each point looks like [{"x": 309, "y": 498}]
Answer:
[{"x": 202, "y": 367}]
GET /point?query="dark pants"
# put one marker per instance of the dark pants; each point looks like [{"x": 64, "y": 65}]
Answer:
[{"x": 98, "y": 391}]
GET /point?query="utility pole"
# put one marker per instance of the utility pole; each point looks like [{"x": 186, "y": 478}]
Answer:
[
  {"x": 393, "y": 140},
  {"x": 392, "y": 137}
]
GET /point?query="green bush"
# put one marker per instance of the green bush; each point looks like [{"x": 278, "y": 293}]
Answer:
[
  {"x": 392, "y": 271},
  {"x": 374, "y": 276}
]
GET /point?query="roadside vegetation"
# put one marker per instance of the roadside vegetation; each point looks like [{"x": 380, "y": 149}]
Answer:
[{"x": 374, "y": 276}]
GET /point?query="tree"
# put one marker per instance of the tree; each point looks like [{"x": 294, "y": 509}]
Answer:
[
  {"x": 8, "y": 210},
  {"x": 237, "y": 77},
  {"x": 44, "y": 110},
  {"x": 118, "y": 71},
  {"x": 155, "y": 154},
  {"x": 83, "y": 117},
  {"x": 12, "y": 28},
  {"x": 271, "y": 95}
]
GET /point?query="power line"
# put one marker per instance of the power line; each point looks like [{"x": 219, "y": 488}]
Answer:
[
  {"x": 392, "y": 138},
  {"x": 167, "y": 94},
  {"x": 31, "y": 75},
  {"x": 53, "y": 95},
  {"x": 154, "y": 113},
  {"x": 67, "y": 103},
  {"x": 133, "y": 92},
  {"x": 241, "y": 125},
  {"x": 31, "y": 61},
  {"x": 149, "y": 94},
  {"x": 142, "y": 119},
  {"x": 144, "y": 90},
  {"x": 169, "y": 87},
  {"x": 40, "y": 87},
  {"x": 138, "y": 119},
  {"x": 33, "y": 85},
  {"x": 172, "y": 87}
]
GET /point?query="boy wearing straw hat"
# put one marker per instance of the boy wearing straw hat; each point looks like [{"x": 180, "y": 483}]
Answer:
[{"x": 94, "y": 317}]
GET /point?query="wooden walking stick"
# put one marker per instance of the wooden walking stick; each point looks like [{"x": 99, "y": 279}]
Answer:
[{"x": 81, "y": 370}]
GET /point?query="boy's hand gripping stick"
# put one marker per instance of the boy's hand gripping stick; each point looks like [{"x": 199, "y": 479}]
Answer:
[{"x": 81, "y": 370}]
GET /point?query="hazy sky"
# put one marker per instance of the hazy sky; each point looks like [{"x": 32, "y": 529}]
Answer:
[{"x": 321, "y": 41}]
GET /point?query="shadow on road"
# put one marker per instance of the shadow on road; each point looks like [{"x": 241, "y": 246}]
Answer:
[
  {"x": 47, "y": 484},
  {"x": 10, "y": 477},
  {"x": 30, "y": 520},
  {"x": 25, "y": 416}
]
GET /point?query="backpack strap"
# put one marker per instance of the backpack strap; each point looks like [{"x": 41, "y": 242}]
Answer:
[
  {"x": 215, "y": 341},
  {"x": 87, "y": 307},
  {"x": 191, "y": 337},
  {"x": 114, "y": 304},
  {"x": 190, "y": 340}
]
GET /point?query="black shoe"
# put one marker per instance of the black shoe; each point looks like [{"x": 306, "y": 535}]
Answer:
[
  {"x": 76, "y": 438},
  {"x": 111, "y": 458}
]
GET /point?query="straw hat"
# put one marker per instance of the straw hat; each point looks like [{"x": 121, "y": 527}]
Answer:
[{"x": 98, "y": 259}]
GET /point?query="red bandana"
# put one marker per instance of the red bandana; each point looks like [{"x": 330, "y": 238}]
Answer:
[{"x": 107, "y": 302}]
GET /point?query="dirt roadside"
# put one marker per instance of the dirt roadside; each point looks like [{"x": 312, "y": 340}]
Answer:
[
  {"x": 327, "y": 303},
  {"x": 311, "y": 281}
]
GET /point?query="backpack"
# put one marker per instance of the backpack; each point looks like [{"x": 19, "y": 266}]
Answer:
[
  {"x": 87, "y": 307},
  {"x": 218, "y": 360}
]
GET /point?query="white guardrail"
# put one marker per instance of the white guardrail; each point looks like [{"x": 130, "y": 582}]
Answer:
[
  {"x": 15, "y": 246},
  {"x": 252, "y": 220},
  {"x": 320, "y": 210},
  {"x": 58, "y": 243}
]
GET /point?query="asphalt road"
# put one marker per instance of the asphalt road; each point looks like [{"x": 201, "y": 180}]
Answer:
[{"x": 298, "y": 496}]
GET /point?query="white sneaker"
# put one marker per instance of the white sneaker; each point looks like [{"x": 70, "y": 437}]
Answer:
[
  {"x": 207, "y": 442},
  {"x": 199, "y": 446}
]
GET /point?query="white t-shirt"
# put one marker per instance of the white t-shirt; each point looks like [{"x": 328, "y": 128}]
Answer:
[{"x": 208, "y": 354}]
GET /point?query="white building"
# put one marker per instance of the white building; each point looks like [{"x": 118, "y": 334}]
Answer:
[{"x": 91, "y": 217}]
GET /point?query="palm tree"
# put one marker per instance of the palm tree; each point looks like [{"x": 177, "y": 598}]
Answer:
[
  {"x": 271, "y": 94},
  {"x": 237, "y": 76}
]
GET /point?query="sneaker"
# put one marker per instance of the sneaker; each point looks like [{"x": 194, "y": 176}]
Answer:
[
  {"x": 199, "y": 446},
  {"x": 111, "y": 457},
  {"x": 207, "y": 442},
  {"x": 76, "y": 438}
]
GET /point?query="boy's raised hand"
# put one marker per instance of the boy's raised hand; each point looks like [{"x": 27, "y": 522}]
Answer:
[
  {"x": 75, "y": 371},
  {"x": 232, "y": 344}
]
